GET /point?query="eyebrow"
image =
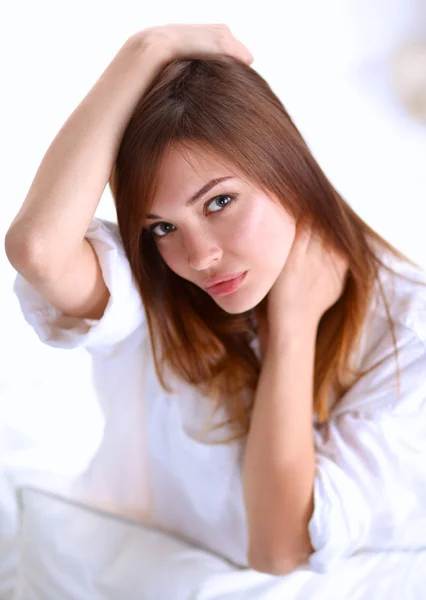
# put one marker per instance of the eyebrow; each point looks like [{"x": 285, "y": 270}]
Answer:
[{"x": 201, "y": 192}]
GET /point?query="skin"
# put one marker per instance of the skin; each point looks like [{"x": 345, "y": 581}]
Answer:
[{"x": 198, "y": 242}]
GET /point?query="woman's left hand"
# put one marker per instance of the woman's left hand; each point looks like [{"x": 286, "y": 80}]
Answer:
[{"x": 311, "y": 281}]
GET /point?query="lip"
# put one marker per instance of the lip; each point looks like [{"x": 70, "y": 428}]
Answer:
[
  {"x": 221, "y": 278},
  {"x": 228, "y": 286}
]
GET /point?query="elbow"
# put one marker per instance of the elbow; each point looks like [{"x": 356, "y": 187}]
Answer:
[
  {"x": 30, "y": 257},
  {"x": 22, "y": 253},
  {"x": 274, "y": 565}
]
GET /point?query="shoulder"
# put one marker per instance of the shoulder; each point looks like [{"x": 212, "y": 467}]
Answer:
[
  {"x": 104, "y": 230},
  {"x": 389, "y": 353},
  {"x": 404, "y": 289},
  {"x": 110, "y": 226}
]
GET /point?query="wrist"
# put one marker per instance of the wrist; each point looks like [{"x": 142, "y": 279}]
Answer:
[
  {"x": 292, "y": 334},
  {"x": 147, "y": 48}
]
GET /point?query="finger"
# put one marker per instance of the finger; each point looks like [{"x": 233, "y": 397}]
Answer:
[
  {"x": 241, "y": 49},
  {"x": 243, "y": 52}
]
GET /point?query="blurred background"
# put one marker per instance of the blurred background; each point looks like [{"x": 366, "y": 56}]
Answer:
[{"x": 351, "y": 73}]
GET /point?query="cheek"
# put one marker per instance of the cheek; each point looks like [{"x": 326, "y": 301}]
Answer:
[
  {"x": 245, "y": 230},
  {"x": 263, "y": 231},
  {"x": 170, "y": 256}
]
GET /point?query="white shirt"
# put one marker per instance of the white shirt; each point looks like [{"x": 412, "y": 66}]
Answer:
[{"x": 370, "y": 483}]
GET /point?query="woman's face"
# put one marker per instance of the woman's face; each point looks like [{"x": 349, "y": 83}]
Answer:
[{"x": 232, "y": 228}]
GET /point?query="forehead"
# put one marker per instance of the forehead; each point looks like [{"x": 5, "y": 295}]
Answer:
[{"x": 185, "y": 168}]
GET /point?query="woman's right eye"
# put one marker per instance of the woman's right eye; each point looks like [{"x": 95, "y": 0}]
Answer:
[{"x": 153, "y": 227}]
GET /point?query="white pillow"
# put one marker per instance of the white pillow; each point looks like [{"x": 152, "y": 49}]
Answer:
[{"x": 71, "y": 551}]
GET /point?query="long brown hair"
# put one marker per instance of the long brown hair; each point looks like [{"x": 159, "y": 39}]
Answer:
[{"x": 224, "y": 106}]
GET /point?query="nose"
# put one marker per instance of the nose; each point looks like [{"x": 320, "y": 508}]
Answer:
[{"x": 202, "y": 252}]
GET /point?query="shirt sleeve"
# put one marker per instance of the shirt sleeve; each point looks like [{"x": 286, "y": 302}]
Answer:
[
  {"x": 370, "y": 483},
  {"x": 124, "y": 312}
]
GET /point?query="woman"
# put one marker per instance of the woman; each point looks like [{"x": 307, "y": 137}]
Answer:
[{"x": 279, "y": 406}]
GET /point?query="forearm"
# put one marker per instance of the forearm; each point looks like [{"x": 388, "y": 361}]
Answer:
[
  {"x": 72, "y": 176},
  {"x": 279, "y": 466}
]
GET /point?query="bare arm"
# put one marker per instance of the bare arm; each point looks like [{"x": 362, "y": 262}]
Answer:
[
  {"x": 49, "y": 229},
  {"x": 46, "y": 241},
  {"x": 279, "y": 466}
]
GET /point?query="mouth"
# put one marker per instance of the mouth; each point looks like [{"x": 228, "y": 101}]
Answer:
[{"x": 226, "y": 287}]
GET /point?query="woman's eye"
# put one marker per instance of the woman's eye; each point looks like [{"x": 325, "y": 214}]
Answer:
[
  {"x": 159, "y": 225},
  {"x": 218, "y": 199},
  {"x": 162, "y": 229}
]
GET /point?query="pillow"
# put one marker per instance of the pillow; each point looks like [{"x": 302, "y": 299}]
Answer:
[{"x": 70, "y": 551}]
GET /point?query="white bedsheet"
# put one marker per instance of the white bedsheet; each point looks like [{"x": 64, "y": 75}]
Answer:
[{"x": 68, "y": 551}]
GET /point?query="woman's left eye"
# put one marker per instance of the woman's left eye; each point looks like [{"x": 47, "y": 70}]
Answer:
[{"x": 220, "y": 206}]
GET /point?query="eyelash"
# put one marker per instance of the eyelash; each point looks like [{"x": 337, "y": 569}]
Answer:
[{"x": 232, "y": 197}]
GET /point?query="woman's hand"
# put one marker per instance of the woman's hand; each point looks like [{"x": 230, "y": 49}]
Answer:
[
  {"x": 192, "y": 41},
  {"x": 311, "y": 281}
]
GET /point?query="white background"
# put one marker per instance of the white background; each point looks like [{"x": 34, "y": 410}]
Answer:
[{"x": 328, "y": 61}]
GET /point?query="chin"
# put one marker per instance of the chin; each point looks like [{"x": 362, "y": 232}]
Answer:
[{"x": 235, "y": 305}]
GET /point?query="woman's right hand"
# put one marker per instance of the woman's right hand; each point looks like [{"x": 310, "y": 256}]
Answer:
[{"x": 192, "y": 41}]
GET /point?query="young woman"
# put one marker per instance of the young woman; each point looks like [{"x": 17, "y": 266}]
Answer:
[{"x": 276, "y": 342}]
